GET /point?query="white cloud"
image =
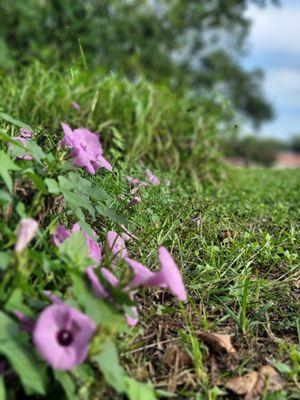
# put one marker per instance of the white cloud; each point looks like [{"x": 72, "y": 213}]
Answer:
[{"x": 276, "y": 28}]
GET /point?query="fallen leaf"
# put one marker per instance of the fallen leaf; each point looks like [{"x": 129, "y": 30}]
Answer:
[
  {"x": 176, "y": 356},
  {"x": 243, "y": 385},
  {"x": 254, "y": 384},
  {"x": 219, "y": 343}
]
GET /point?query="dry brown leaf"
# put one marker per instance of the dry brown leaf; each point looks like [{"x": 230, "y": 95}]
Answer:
[
  {"x": 253, "y": 384},
  {"x": 218, "y": 343},
  {"x": 176, "y": 356},
  {"x": 242, "y": 385}
]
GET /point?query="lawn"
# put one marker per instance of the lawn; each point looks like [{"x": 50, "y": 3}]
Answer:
[{"x": 240, "y": 262}]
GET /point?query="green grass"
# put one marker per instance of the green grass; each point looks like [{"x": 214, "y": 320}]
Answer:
[
  {"x": 243, "y": 285},
  {"x": 240, "y": 265}
]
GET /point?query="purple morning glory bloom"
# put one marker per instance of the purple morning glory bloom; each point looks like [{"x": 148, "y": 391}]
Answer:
[
  {"x": 132, "y": 320},
  {"x": 60, "y": 234},
  {"x": 169, "y": 275},
  {"x": 94, "y": 249},
  {"x": 98, "y": 289},
  {"x": 75, "y": 105},
  {"x": 87, "y": 150},
  {"x": 26, "y": 231},
  {"x": 62, "y": 335},
  {"x": 134, "y": 201},
  {"x": 152, "y": 178},
  {"x": 116, "y": 244},
  {"x": 141, "y": 273}
]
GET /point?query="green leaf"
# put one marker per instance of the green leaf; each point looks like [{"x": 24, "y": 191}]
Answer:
[
  {"x": 112, "y": 214},
  {"x": 6, "y": 165},
  {"x": 109, "y": 364},
  {"x": 137, "y": 390},
  {"x": 39, "y": 183},
  {"x": 35, "y": 151},
  {"x": 14, "y": 121},
  {"x": 21, "y": 357},
  {"x": 4, "y": 197},
  {"x": 5, "y": 258},
  {"x": 2, "y": 389},
  {"x": 67, "y": 384},
  {"x": 75, "y": 248},
  {"x": 52, "y": 186},
  {"x": 100, "y": 311}
]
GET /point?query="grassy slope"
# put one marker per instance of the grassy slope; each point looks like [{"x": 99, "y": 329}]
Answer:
[{"x": 244, "y": 285}]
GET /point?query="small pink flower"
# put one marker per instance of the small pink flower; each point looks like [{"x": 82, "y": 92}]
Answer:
[
  {"x": 94, "y": 249},
  {"x": 98, "y": 289},
  {"x": 134, "y": 201},
  {"x": 87, "y": 150},
  {"x": 26, "y": 232},
  {"x": 75, "y": 105},
  {"x": 62, "y": 335},
  {"x": 26, "y": 323},
  {"x": 133, "y": 181},
  {"x": 134, "y": 319},
  {"x": 169, "y": 275},
  {"x": 60, "y": 234},
  {"x": 116, "y": 244},
  {"x": 152, "y": 178}
]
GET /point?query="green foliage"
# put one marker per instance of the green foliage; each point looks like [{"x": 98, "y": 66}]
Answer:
[
  {"x": 145, "y": 121},
  {"x": 190, "y": 44}
]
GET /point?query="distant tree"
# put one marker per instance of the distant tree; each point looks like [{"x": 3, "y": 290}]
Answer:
[
  {"x": 191, "y": 44},
  {"x": 294, "y": 143}
]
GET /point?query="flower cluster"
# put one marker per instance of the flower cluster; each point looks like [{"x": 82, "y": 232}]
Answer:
[{"x": 61, "y": 333}]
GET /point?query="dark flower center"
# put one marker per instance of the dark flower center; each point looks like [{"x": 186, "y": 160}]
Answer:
[{"x": 65, "y": 337}]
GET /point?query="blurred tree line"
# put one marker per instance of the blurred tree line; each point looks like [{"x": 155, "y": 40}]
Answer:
[
  {"x": 192, "y": 45},
  {"x": 259, "y": 150}
]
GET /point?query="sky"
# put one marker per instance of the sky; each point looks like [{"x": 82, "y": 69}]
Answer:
[{"x": 274, "y": 46}]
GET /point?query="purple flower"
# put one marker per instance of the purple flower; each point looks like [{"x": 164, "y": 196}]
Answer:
[
  {"x": 141, "y": 273},
  {"x": 94, "y": 249},
  {"x": 26, "y": 232},
  {"x": 87, "y": 150},
  {"x": 62, "y": 335},
  {"x": 116, "y": 244},
  {"x": 98, "y": 289},
  {"x": 26, "y": 323},
  {"x": 133, "y": 319},
  {"x": 75, "y": 105},
  {"x": 134, "y": 201},
  {"x": 133, "y": 181},
  {"x": 60, "y": 234},
  {"x": 152, "y": 178},
  {"x": 169, "y": 275}
]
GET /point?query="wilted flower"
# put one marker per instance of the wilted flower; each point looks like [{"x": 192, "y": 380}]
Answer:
[
  {"x": 62, "y": 335},
  {"x": 87, "y": 150},
  {"x": 26, "y": 231},
  {"x": 24, "y": 136},
  {"x": 134, "y": 201},
  {"x": 152, "y": 178}
]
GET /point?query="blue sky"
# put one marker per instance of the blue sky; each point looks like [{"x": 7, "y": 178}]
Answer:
[{"x": 274, "y": 46}]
